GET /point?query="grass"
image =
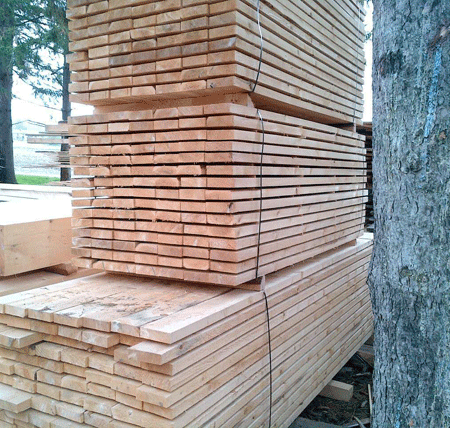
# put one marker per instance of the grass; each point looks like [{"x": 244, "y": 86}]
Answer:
[{"x": 34, "y": 179}]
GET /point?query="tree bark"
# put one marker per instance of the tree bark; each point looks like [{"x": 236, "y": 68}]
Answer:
[
  {"x": 7, "y": 174},
  {"x": 410, "y": 272},
  {"x": 66, "y": 110}
]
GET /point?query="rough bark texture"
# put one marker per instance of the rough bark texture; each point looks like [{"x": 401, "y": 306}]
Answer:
[
  {"x": 410, "y": 275},
  {"x": 6, "y": 69}
]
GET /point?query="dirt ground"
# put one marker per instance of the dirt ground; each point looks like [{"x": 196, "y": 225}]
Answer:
[{"x": 357, "y": 373}]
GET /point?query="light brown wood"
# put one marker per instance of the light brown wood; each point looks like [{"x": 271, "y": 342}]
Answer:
[
  {"x": 184, "y": 172},
  {"x": 111, "y": 55},
  {"x": 338, "y": 391},
  {"x": 217, "y": 369},
  {"x": 33, "y": 235},
  {"x": 167, "y": 196}
]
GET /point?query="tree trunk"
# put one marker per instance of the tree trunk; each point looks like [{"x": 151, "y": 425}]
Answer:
[
  {"x": 410, "y": 272},
  {"x": 66, "y": 110},
  {"x": 7, "y": 174}
]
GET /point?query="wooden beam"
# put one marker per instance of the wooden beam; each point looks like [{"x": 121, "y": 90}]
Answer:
[{"x": 338, "y": 391}]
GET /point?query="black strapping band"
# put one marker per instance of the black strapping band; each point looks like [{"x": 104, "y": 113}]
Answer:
[
  {"x": 260, "y": 192},
  {"x": 261, "y": 50},
  {"x": 257, "y": 262},
  {"x": 270, "y": 360}
]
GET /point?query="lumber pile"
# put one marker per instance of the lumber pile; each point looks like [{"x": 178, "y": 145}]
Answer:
[
  {"x": 125, "y": 352},
  {"x": 53, "y": 134},
  {"x": 306, "y": 57},
  {"x": 186, "y": 192},
  {"x": 366, "y": 130},
  {"x": 201, "y": 161},
  {"x": 33, "y": 235},
  {"x": 222, "y": 149}
]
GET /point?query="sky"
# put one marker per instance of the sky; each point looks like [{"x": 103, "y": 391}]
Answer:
[{"x": 26, "y": 106}]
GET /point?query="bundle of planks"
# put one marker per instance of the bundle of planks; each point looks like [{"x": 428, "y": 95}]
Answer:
[
  {"x": 53, "y": 135},
  {"x": 305, "y": 57},
  {"x": 366, "y": 130},
  {"x": 186, "y": 192},
  {"x": 122, "y": 352},
  {"x": 222, "y": 148},
  {"x": 33, "y": 234}
]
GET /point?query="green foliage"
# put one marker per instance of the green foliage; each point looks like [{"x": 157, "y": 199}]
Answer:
[
  {"x": 35, "y": 179},
  {"x": 33, "y": 37}
]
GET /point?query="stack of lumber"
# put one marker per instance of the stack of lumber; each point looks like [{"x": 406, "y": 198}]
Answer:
[
  {"x": 366, "y": 130},
  {"x": 121, "y": 352},
  {"x": 33, "y": 235},
  {"x": 183, "y": 192},
  {"x": 53, "y": 134},
  {"x": 222, "y": 148},
  {"x": 311, "y": 55}
]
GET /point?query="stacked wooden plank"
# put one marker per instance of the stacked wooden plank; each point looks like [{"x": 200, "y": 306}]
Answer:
[
  {"x": 213, "y": 193},
  {"x": 306, "y": 57},
  {"x": 366, "y": 130},
  {"x": 53, "y": 135},
  {"x": 222, "y": 148},
  {"x": 122, "y": 352},
  {"x": 33, "y": 235}
]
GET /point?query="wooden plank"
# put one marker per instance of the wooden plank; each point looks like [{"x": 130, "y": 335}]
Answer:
[
  {"x": 317, "y": 40},
  {"x": 32, "y": 293},
  {"x": 13, "y": 400},
  {"x": 159, "y": 354},
  {"x": 33, "y": 234},
  {"x": 243, "y": 386},
  {"x": 158, "y": 328},
  {"x": 18, "y": 338},
  {"x": 211, "y": 369},
  {"x": 315, "y": 298},
  {"x": 175, "y": 186},
  {"x": 338, "y": 391},
  {"x": 160, "y": 209}
]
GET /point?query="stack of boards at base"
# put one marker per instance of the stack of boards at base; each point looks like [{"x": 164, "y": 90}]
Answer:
[
  {"x": 214, "y": 193},
  {"x": 305, "y": 56},
  {"x": 118, "y": 351}
]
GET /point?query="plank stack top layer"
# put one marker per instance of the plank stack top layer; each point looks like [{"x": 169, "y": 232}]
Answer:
[
  {"x": 177, "y": 192},
  {"x": 120, "y": 352},
  {"x": 312, "y": 56}
]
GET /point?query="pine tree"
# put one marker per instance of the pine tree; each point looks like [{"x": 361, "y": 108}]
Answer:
[{"x": 28, "y": 28}]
